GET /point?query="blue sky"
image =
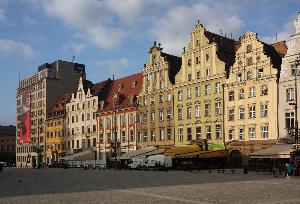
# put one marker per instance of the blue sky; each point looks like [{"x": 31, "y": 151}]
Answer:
[{"x": 114, "y": 36}]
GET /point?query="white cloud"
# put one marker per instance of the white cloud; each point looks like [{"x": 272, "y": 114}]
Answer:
[
  {"x": 173, "y": 29},
  {"x": 285, "y": 33},
  {"x": 75, "y": 48},
  {"x": 11, "y": 47},
  {"x": 114, "y": 66}
]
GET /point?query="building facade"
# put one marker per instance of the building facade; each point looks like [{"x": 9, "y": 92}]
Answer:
[
  {"x": 155, "y": 121},
  {"x": 56, "y": 131},
  {"x": 81, "y": 122},
  {"x": 8, "y": 143},
  {"x": 45, "y": 87},
  {"x": 117, "y": 116},
  {"x": 198, "y": 92},
  {"x": 251, "y": 96},
  {"x": 287, "y": 86}
]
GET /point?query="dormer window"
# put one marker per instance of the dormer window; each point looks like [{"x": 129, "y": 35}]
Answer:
[
  {"x": 239, "y": 77},
  {"x": 249, "y": 48},
  {"x": 131, "y": 98},
  {"x": 120, "y": 86},
  {"x": 189, "y": 63},
  {"x": 260, "y": 73},
  {"x": 249, "y": 61},
  {"x": 133, "y": 84},
  {"x": 116, "y": 99},
  {"x": 197, "y": 42}
]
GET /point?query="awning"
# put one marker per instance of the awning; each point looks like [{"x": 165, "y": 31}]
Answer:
[
  {"x": 213, "y": 154},
  {"x": 275, "y": 152},
  {"x": 139, "y": 152},
  {"x": 79, "y": 155}
]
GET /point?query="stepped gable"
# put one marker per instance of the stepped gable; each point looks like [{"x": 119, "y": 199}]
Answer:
[
  {"x": 280, "y": 47},
  {"x": 226, "y": 47},
  {"x": 124, "y": 92},
  {"x": 175, "y": 65}
]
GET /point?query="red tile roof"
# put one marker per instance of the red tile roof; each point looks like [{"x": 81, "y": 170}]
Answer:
[
  {"x": 59, "y": 107},
  {"x": 125, "y": 90},
  {"x": 281, "y": 48}
]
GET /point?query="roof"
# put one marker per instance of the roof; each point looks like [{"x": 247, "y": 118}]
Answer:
[
  {"x": 7, "y": 131},
  {"x": 124, "y": 91},
  {"x": 59, "y": 107},
  {"x": 226, "y": 48},
  {"x": 101, "y": 89},
  {"x": 275, "y": 57},
  {"x": 276, "y": 151},
  {"x": 139, "y": 153},
  {"x": 280, "y": 47},
  {"x": 175, "y": 65}
]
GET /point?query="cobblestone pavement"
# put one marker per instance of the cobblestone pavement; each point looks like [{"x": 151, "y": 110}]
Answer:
[{"x": 98, "y": 186}]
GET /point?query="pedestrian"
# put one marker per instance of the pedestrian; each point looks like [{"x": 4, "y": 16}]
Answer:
[{"x": 289, "y": 169}]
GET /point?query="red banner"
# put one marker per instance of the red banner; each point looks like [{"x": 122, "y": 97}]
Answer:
[{"x": 24, "y": 126}]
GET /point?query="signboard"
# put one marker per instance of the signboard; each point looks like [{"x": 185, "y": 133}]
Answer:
[{"x": 24, "y": 125}]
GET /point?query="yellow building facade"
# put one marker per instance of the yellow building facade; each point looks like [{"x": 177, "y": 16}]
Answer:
[
  {"x": 56, "y": 131},
  {"x": 198, "y": 92},
  {"x": 156, "y": 122},
  {"x": 251, "y": 97}
]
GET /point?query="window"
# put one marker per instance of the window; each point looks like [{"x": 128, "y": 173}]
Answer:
[
  {"x": 152, "y": 118},
  {"x": 152, "y": 101},
  {"x": 131, "y": 119},
  {"x": 198, "y": 75},
  {"x": 241, "y": 94},
  {"x": 218, "y": 108},
  {"x": 251, "y": 92},
  {"x": 88, "y": 116},
  {"x": 241, "y": 113},
  {"x": 197, "y": 91},
  {"x": 189, "y": 112},
  {"x": 139, "y": 138},
  {"x": 77, "y": 144},
  {"x": 239, "y": 77},
  {"x": 76, "y": 118},
  {"x": 208, "y": 132},
  {"x": 197, "y": 60},
  {"x": 241, "y": 134},
  {"x": 252, "y": 111},
  {"x": 249, "y": 61},
  {"x": 161, "y": 115},
  {"x": 249, "y": 75},
  {"x": 207, "y": 109},
  {"x": 264, "y": 90},
  {"x": 231, "y": 134},
  {"x": 218, "y": 87},
  {"x": 207, "y": 72},
  {"x": 231, "y": 114},
  {"x": 153, "y": 135},
  {"x": 180, "y": 134},
  {"x": 218, "y": 131},
  {"x": 123, "y": 136},
  {"x": 289, "y": 120},
  {"x": 189, "y": 78},
  {"x": 145, "y": 101},
  {"x": 123, "y": 120},
  {"x": 131, "y": 136},
  {"x": 82, "y": 117},
  {"x": 161, "y": 98},
  {"x": 198, "y": 133},
  {"x": 189, "y": 134},
  {"x": 101, "y": 139},
  {"x": 189, "y": 62},
  {"x": 161, "y": 73},
  {"x": 265, "y": 132},
  {"x": 249, "y": 48},
  {"x": 207, "y": 57},
  {"x": 260, "y": 73},
  {"x": 290, "y": 94},
  {"x": 252, "y": 133},
  {"x": 197, "y": 42},
  {"x": 231, "y": 95},
  {"x": 293, "y": 70},
  {"x": 145, "y": 136},
  {"x": 188, "y": 93},
  {"x": 72, "y": 119},
  {"x": 161, "y": 85},
  {"x": 207, "y": 89},
  {"x": 197, "y": 111},
  {"x": 179, "y": 95},
  {"x": 169, "y": 97},
  {"x": 78, "y": 108},
  {"x": 169, "y": 113},
  {"x": 82, "y": 129},
  {"x": 148, "y": 88},
  {"x": 264, "y": 110},
  {"x": 161, "y": 135},
  {"x": 144, "y": 117},
  {"x": 179, "y": 113},
  {"x": 169, "y": 134}
]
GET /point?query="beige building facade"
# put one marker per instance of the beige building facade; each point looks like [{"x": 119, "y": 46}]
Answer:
[
  {"x": 198, "y": 91},
  {"x": 251, "y": 96},
  {"x": 290, "y": 66},
  {"x": 156, "y": 122}
]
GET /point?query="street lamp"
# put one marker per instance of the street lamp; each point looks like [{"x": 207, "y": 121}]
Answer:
[
  {"x": 295, "y": 65},
  {"x": 38, "y": 148}
]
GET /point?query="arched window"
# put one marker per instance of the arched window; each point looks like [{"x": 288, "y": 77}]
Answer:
[{"x": 94, "y": 142}]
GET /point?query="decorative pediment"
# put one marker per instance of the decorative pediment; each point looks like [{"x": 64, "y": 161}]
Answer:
[
  {"x": 207, "y": 101},
  {"x": 180, "y": 106},
  {"x": 218, "y": 120},
  {"x": 208, "y": 121},
  {"x": 218, "y": 99},
  {"x": 198, "y": 122},
  {"x": 189, "y": 104},
  {"x": 197, "y": 102}
]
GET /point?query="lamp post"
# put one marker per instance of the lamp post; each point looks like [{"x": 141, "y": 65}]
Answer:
[
  {"x": 295, "y": 65},
  {"x": 39, "y": 156}
]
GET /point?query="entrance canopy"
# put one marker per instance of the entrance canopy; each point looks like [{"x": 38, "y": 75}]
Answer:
[
  {"x": 278, "y": 151},
  {"x": 147, "y": 151}
]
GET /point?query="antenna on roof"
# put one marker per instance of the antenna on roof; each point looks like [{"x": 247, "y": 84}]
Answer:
[
  {"x": 276, "y": 37},
  {"x": 73, "y": 58},
  {"x": 221, "y": 31},
  {"x": 230, "y": 35},
  {"x": 113, "y": 77}
]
